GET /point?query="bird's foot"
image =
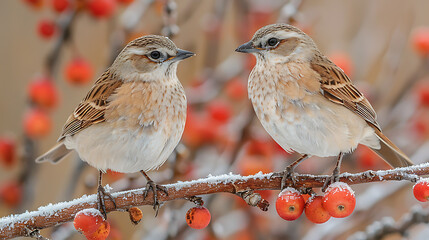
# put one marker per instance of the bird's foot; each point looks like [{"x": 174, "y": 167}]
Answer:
[
  {"x": 101, "y": 195},
  {"x": 335, "y": 177},
  {"x": 287, "y": 174},
  {"x": 152, "y": 186}
]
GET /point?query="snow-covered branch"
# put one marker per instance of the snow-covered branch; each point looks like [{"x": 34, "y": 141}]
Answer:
[{"x": 54, "y": 214}]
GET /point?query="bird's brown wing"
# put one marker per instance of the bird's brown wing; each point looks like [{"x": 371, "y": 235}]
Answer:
[
  {"x": 91, "y": 109},
  {"x": 338, "y": 88}
]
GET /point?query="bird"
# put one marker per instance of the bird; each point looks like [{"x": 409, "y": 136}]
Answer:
[
  {"x": 309, "y": 105},
  {"x": 132, "y": 118}
]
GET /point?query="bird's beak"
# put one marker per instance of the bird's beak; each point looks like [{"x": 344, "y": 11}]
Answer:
[
  {"x": 182, "y": 54},
  {"x": 247, "y": 48}
]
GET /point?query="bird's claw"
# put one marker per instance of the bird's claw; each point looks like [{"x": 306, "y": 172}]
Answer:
[
  {"x": 335, "y": 177},
  {"x": 152, "y": 186},
  {"x": 287, "y": 174},
  {"x": 101, "y": 194}
]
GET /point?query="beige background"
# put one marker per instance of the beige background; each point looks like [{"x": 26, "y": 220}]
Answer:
[{"x": 372, "y": 32}]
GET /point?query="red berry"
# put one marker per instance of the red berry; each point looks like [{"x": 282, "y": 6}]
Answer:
[
  {"x": 251, "y": 164},
  {"x": 342, "y": 60},
  {"x": 236, "y": 89},
  {"x": 35, "y": 3},
  {"x": 423, "y": 94},
  {"x": 420, "y": 39},
  {"x": 90, "y": 222},
  {"x": 209, "y": 130},
  {"x": 258, "y": 157},
  {"x": 43, "y": 93},
  {"x": 260, "y": 147},
  {"x": 339, "y": 200},
  {"x": 198, "y": 217},
  {"x": 60, "y": 5},
  {"x": 102, "y": 8},
  {"x": 367, "y": 159},
  {"x": 87, "y": 220},
  {"x": 219, "y": 111},
  {"x": 7, "y": 151},
  {"x": 37, "y": 123},
  {"x": 101, "y": 233},
  {"x": 78, "y": 71},
  {"x": 200, "y": 129},
  {"x": 192, "y": 133},
  {"x": 46, "y": 28},
  {"x": 290, "y": 204},
  {"x": 11, "y": 193},
  {"x": 278, "y": 149},
  {"x": 314, "y": 210},
  {"x": 420, "y": 126},
  {"x": 421, "y": 190}
]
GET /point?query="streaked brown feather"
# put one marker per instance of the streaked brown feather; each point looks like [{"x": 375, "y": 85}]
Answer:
[
  {"x": 91, "y": 109},
  {"x": 338, "y": 88}
]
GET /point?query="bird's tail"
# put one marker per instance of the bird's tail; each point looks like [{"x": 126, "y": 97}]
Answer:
[
  {"x": 55, "y": 154},
  {"x": 391, "y": 153}
]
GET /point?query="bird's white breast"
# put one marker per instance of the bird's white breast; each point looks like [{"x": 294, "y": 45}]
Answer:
[
  {"x": 288, "y": 102},
  {"x": 144, "y": 123}
]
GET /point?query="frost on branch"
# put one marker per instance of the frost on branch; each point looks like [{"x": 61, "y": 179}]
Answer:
[
  {"x": 54, "y": 214},
  {"x": 388, "y": 226}
]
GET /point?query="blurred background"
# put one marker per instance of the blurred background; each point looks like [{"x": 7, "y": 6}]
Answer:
[{"x": 53, "y": 50}]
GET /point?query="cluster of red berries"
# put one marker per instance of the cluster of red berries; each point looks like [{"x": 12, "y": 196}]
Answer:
[
  {"x": 44, "y": 96},
  {"x": 338, "y": 201},
  {"x": 420, "y": 121},
  {"x": 93, "y": 226},
  {"x": 205, "y": 126},
  {"x": 10, "y": 191},
  {"x": 97, "y": 8}
]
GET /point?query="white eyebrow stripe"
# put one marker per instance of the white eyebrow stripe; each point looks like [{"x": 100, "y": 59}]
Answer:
[
  {"x": 286, "y": 35},
  {"x": 136, "y": 51}
]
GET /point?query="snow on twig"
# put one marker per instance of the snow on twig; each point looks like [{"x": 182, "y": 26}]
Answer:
[
  {"x": 387, "y": 226},
  {"x": 54, "y": 214}
]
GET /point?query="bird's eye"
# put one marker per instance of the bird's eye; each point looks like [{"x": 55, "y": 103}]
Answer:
[
  {"x": 272, "y": 42},
  {"x": 155, "y": 54}
]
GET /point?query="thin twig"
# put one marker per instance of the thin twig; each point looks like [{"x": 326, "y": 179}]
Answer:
[{"x": 387, "y": 226}]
